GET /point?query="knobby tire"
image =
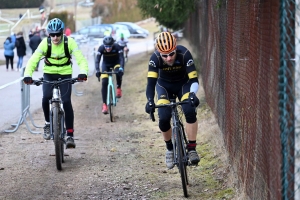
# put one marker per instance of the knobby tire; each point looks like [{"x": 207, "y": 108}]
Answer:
[
  {"x": 181, "y": 162},
  {"x": 111, "y": 104},
  {"x": 184, "y": 149},
  {"x": 61, "y": 117},
  {"x": 56, "y": 133}
]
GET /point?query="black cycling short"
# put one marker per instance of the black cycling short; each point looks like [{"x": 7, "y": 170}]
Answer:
[{"x": 166, "y": 91}]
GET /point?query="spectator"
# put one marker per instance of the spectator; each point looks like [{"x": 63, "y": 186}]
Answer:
[
  {"x": 9, "y": 47},
  {"x": 30, "y": 34},
  {"x": 34, "y": 42},
  {"x": 68, "y": 31},
  {"x": 13, "y": 37},
  {"x": 43, "y": 33},
  {"x": 21, "y": 49}
]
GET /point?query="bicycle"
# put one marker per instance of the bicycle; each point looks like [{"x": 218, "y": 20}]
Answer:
[
  {"x": 111, "y": 99},
  {"x": 57, "y": 118},
  {"x": 179, "y": 140}
]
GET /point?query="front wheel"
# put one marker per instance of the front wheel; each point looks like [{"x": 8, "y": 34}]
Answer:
[
  {"x": 111, "y": 105},
  {"x": 181, "y": 160},
  {"x": 58, "y": 143}
]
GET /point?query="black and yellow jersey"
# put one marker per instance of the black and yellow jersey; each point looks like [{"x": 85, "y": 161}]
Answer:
[
  {"x": 182, "y": 69},
  {"x": 112, "y": 58}
]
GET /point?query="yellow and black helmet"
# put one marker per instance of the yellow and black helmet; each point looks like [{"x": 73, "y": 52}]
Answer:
[{"x": 165, "y": 42}]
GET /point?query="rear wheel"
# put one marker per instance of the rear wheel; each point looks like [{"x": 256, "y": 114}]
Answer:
[
  {"x": 111, "y": 105},
  {"x": 57, "y": 139},
  {"x": 181, "y": 161}
]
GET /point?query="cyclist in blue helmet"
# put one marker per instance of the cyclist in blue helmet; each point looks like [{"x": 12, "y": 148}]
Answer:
[{"x": 57, "y": 50}]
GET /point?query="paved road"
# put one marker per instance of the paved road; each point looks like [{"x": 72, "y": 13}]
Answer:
[{"x": 10, "y": 82}]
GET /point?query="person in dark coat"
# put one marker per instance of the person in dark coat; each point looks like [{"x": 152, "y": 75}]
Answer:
[
  {"x": 30, "y": 34},
  {"x": 34, "y": 42},
  {"x": 9, "y": 52},
  {"x": 21, "y": 49}
]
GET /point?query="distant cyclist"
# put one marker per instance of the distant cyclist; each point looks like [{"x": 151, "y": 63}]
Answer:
[
  {"x": 112, "y": 58},
  {"x": 171, "y": 71},
  {"x": 122, "y": 42},
  {"x": 57, "y": 65}
]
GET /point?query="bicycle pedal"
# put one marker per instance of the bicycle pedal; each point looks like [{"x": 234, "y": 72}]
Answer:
[{"x": 193, "y": 164}]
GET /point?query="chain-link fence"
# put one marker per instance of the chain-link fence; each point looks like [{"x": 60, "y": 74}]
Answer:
[{"x": 249, "y": 59}]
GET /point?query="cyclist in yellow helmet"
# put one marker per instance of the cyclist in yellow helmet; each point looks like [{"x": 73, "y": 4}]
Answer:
[{"x": 171, "y": 71}]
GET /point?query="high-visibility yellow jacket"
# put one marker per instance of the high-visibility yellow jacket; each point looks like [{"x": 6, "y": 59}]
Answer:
[{"x": 57, "y": 57}]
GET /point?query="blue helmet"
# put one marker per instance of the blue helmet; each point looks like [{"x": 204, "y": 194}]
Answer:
[{"x": 55, "y": 26}]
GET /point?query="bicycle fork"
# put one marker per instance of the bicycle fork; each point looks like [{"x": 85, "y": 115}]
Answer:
[
  {"x": 111, "y": 93},
  {"x": 56, "y": 102}
]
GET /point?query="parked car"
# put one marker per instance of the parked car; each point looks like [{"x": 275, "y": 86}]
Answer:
[
  {"x": 95, "y": 31},
  {"x": 79, "y": 37},
  {"x": 117, "y": 29},
  {"x": 135, "y": 30}
]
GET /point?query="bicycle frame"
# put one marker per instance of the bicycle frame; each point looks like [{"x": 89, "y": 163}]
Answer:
[
  {"x": 176, "y": 124},
  {"x": 57, "y": 118},
  {"x": 111, "y": 98},
  {"x": 179, "y": 141},
  {"x": 111, "y": 90}
]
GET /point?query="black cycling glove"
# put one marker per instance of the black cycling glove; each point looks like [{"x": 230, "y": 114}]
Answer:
[
  {"x": 193, "y": 99},
  {"x": 98, "y": 74},
  {"x": 150, "y": 107},
  {"x": 82, "y": 77},
  {"x": 27, "y": 80},
  {"x": 121, "y": 72}
]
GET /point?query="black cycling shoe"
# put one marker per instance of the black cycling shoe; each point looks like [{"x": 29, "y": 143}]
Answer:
[{"x": 70, "y": 143}]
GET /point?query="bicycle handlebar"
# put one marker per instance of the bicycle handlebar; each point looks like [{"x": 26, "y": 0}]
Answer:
[
  {"x": 111, "y": 72},
  {"x": 57, "y": 82},
  {"x": 171, "y": 104}
]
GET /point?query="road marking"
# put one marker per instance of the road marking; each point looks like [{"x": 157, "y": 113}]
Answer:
[{"x": 11, "y": 83}]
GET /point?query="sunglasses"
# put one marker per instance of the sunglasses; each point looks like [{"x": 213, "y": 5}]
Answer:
[
  {"x": 107, "y": 46},
  {"x": 55, "y": 34},
  {"x": 170, "y": 54}
]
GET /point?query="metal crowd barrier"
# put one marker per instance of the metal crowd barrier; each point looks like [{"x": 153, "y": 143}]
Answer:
[{"x": 25, "y": 106}]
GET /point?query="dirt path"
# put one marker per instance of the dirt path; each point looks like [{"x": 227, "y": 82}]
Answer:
[{"x": 121, "y": 160}]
